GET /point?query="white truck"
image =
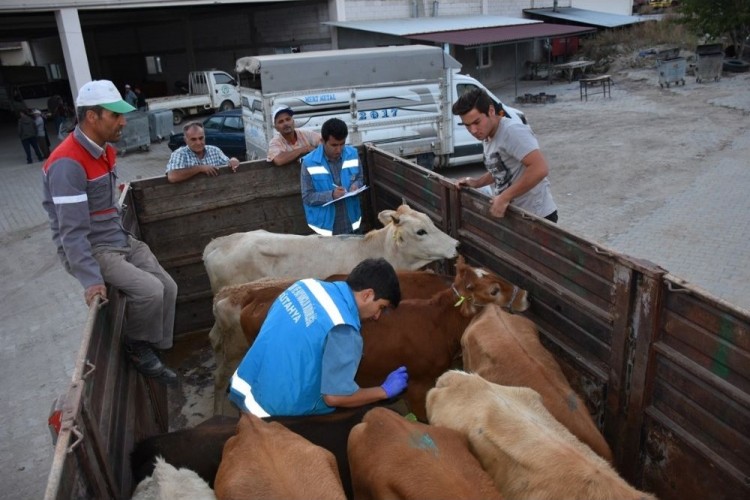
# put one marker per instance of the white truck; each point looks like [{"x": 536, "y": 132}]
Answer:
[
  {"x": 397, "y": 97},
  {"x": 208, "y": 91}
]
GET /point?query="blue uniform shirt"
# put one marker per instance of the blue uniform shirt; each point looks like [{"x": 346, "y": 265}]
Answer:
[{"x": 309, "y": 345}]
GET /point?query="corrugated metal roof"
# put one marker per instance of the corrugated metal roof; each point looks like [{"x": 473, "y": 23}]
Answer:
[
  {"x": 583, "y": 17},
  {"x": 503, "y": 34},
  {"x": 416, "y": 25}
]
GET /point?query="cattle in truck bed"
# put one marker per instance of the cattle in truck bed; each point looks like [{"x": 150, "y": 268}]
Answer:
[
  {"x": 505, "y": 349},
  {"x": 391, "y": 457},
  {"x": 243, "y": 308},
  {"x": 528, "y": 453},
  {"x": 421, "y": 334},
  {"x": 409, "y": 240}
]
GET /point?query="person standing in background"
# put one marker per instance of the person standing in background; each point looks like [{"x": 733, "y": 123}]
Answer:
[
  {"x": 130, "y": 96},
  {"x": 27, "y": 134},
  {"x": 141, "y": 103},
  {"x": 56, "y": 109},
  {"x": 41, "y": 132}
]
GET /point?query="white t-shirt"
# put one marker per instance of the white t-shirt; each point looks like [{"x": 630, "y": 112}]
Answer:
[{"x": 502, "y": 158}]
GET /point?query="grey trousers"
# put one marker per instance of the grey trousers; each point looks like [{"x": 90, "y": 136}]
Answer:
[{"x": 150, "y": 290}]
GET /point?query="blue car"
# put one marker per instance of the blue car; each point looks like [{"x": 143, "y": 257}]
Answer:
[{"x": 223, "y": 130}]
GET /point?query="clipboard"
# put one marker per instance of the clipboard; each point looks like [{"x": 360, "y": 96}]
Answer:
[{"x": 347, "y": 195}]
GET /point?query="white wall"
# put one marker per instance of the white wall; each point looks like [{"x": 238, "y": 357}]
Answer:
[
  {"x": 358, "y": 10},
  {"x": 622, "y": 7}
]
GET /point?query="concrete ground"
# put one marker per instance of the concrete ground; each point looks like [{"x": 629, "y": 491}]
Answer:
[{"x": 681, "y": 201}]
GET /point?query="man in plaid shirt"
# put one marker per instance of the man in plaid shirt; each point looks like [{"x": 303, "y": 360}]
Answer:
[{"x": 196, "y": 157}]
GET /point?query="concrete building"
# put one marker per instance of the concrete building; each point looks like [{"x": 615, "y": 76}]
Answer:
[{"x": 155, "y": 43}]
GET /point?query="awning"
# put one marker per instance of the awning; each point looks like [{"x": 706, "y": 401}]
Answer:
[
  {"x": 502, "y": 34},
  {"x": 582, "y": 17},
  {"x": 420, "y": 25}
]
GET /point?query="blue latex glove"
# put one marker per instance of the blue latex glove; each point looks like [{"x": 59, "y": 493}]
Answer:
[{"x": 395, "y": 382}]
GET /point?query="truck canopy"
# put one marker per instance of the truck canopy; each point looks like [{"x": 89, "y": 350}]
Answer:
[{"x": 343, "y": 68}]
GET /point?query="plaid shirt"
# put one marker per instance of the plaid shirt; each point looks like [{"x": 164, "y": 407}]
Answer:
[{"x": 184, "y": 157}]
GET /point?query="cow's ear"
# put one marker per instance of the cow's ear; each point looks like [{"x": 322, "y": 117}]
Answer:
[
  {"x": 460, "y": 261},
  {"x": 385, "y": 216}
]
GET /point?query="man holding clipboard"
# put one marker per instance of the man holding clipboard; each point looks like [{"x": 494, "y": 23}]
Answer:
[{"x": 331, "y": 179}]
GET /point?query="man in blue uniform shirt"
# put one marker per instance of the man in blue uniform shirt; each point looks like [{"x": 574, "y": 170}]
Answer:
[
  {"x": 328, "y": 173},
  {"x": 308, "y": 350}
]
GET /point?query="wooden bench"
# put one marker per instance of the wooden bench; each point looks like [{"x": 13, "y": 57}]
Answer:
[
  {"x": 568, "y": 69},
  {"x": 605, "y": 81}
]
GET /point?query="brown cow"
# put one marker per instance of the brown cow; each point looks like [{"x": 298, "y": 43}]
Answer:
[
  {"x": 266, "y": 460},
  {"x": 422, "y": 334},
  {"x": 391, "y": 457},
  {"x": 528, "y": 453},
  {"x": 425, "y": 334},
  {"x": 199, "y": 448},
  {"x": 505, "y": 349},
  {"x": 243, "y": 308}
]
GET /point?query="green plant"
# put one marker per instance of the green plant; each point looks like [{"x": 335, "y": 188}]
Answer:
[
  {"x": 607, "y": 46},
  {"x": 718, "y": 18}
]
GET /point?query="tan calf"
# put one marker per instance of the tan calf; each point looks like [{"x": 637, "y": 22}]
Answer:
[
  {"x": 505, "y": 349},
  {"x": 527, "y": 452}
]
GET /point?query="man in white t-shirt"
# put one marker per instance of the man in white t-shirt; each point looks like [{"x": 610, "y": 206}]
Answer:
[{"x": 516, "y": 169}]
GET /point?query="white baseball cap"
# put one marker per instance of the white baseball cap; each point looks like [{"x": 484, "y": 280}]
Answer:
[
  {"x": 281, "y": 109},
  {"x": 103, "y": 93}
]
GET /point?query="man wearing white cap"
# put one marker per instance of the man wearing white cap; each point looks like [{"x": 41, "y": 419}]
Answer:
[
  {"x": 80, "y": 197},
  {"x": 130, "y": 96},
  {"x": 290, "y": 144},
  {"x": 41, "y": 132}
]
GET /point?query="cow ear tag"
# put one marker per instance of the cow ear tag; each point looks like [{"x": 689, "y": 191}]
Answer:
[{"x": 459, "y": 301}]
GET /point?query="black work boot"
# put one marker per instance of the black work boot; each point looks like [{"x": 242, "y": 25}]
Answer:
[
  {"x": 146, "y": 362},
  {"x": 167, "y": 377}
]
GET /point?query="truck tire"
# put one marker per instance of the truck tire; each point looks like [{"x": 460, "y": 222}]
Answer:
[
  {"x": 177, "y": 116},
  {"x": 226, "y": 105}
]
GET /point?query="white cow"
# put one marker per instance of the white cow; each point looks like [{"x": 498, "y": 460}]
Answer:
[
  {"x": 408, "y": 241},
  {"x": 528, "y": 453}
]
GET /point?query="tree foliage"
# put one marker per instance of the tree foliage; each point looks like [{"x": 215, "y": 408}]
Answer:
[{"x": 719, "y": 18}]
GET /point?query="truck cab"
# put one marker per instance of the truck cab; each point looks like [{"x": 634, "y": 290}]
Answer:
[{"x": 209, "y": 91}]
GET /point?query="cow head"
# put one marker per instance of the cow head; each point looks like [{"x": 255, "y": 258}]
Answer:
[
  {"x": 416, "y": 237},
  {"x": 476, "y": 287}
]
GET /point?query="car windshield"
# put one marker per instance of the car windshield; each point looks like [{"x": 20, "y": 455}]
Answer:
[
  {"x": 233, "y": 123},
  {"x": 213, "y": 123}
]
